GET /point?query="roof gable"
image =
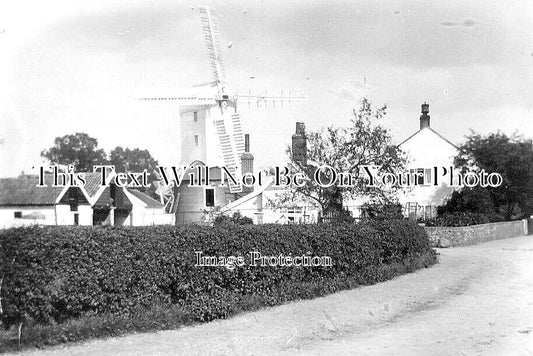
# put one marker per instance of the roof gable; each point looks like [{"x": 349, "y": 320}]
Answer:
[
  {"x": 432, "y": 131},
  {"x": 92, "y": 183},
  {"x": 106, "y": 200}
]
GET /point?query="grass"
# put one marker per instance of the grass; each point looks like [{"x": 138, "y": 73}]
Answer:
[{"x": 168, "y": 317}]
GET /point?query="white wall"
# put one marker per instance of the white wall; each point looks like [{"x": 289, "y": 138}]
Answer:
[
  {"x": 141, "y": 216},
  {"x": 46, "y": 215},
  {"x": 250, "y": 208},
  {"x": 306, "y": 214},
  {"x": 425, "y": 150},
  {"x": 7, "y": 216},
  {"x": 66, "y": 217}
]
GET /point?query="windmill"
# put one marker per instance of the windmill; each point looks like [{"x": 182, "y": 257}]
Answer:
[{"x": 211, "y": 129}]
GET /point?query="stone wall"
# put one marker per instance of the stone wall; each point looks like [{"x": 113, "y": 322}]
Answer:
[{"x": 471, "y": 235}]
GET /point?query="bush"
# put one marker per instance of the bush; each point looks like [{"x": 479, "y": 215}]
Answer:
[
  {"x": 236, "y": 218},
  {"x": 383, "y": 211},
  {"x": 341, "y": 216},
  {"x": 54, "y": 275},
  {"x": 475, "y": 200},
  {"x": 463, "y": 219}
]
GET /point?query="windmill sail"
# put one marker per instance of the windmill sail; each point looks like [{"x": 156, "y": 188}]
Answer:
[
  {"x": 238, "y": 135},
  {"x": 212, "y": 41},
  {"x": 225, "y": 144},
  {"x": 199, "y": 95},
  {"x": 231, "y": 159},
  {"x": 228, "y": 127}
]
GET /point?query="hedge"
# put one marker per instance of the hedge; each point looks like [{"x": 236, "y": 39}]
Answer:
[
  {"x": 463, "y": 219},
  {"x": 56, "y": 274}
]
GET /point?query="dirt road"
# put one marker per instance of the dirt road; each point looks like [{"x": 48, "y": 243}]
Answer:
[{"x": 477, "y": 301}]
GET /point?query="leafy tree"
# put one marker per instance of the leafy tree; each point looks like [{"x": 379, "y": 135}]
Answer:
[
  {"x": 363, "y": 142},
  {"x": 78, "y": 149},
  {"x": 82, "y": 151},
  {"x": 512, "y": 157},
  {"x": 135, "y": 160},
  {"x": 468, "y": 200}
]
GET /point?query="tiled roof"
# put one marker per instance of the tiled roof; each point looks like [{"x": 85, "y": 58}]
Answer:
[
  {"x": 105, "y": 201},
  {"x": 23, "y": 190},
  {"x": 92, "y": 183},
  {"x": 150, "y": 203}
]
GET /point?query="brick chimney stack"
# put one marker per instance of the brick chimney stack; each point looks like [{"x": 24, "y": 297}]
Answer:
[
  {"x": 247, "y": 160},
  {"x": 424, "y": 118},
  {"x": 299, "y": 144}
]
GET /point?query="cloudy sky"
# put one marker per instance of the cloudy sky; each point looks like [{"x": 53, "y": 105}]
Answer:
[{"x": 77, "y": 66}]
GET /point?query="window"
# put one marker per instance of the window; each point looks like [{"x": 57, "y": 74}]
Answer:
[
  {"x": 209, "y": 197},
  {"x": 18, "y": 214},
  {"x": 420, "y": 176},
  {"x": 427, "y": 176},
  {"x": 196, "y": 140},
  {"x": 417, "y": 176},
  {"x": 195, "y": 115}
]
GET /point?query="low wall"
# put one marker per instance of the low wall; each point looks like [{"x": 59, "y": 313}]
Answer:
[{"x": 474, "y": 234}]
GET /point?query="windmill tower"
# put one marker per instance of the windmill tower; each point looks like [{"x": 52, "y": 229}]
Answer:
[{"x": 211, "y": 129}]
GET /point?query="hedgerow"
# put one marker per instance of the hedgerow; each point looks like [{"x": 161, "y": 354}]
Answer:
[
  {"x": 463, "y": 219},
  {"x": 56, "y": 275}
]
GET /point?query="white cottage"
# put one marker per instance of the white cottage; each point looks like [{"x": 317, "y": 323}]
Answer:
[
  {"x": 22, "y": 203},
  {"x": 427, "y": 149}
]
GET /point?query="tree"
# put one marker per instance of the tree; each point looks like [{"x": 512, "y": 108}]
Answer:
[
  {"x": 468, "y": 200},
  {"x": 512, "y": 157},
  {"x": 79, "y": 150},
  {"x": 135, "y": 160},
  {"x": 346, "y": 150}
]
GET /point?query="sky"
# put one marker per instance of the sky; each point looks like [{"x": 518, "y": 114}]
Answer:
[{"x": 78, "y": 66}]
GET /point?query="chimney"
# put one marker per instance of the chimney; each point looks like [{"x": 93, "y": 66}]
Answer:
[
  {"x": 299, "y": 144},
  {"x": 247, "y": 160},
  {"x": 247, "y": 143},
  {"x": 424, "y": 118}
]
